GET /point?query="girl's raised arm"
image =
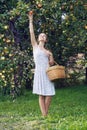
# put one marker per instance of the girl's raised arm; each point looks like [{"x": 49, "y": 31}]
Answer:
[{"x": 31, "y": 29}]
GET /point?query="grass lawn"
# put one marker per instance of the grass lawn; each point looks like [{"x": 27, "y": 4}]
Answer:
[{"x": 68, "y": 111}]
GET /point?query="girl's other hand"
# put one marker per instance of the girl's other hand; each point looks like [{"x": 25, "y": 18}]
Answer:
[{"x": 51, "y": 59}]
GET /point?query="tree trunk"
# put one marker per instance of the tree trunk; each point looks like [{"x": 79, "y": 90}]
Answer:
[{"x": 15, "y": 33}]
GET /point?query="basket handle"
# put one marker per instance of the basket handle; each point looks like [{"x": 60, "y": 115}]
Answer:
[{"x": 56, "y": 63}]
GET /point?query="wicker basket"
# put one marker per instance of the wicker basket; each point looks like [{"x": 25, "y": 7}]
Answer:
[{"x": 56, "y": 72}]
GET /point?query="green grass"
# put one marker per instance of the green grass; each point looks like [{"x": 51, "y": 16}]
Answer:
[{"x": 68, "y": 111}]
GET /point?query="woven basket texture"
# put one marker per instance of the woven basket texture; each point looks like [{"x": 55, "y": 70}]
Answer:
[{"x": 56, "y": 72}]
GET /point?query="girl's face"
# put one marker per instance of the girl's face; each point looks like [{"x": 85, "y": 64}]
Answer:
[{"x": 42, "y": 37}]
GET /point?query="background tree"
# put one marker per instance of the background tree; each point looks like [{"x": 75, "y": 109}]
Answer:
[{"x": 63, "y": 21}]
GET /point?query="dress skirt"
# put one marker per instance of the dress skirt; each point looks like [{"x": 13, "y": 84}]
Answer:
[{"x": 41, "y": 84}]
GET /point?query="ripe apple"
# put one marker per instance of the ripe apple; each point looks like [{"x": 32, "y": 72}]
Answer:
[
  {"x": 85, "y": 26},
  {"x": 8, "y": 41},
  {"x": 0, "y": 74},
  {"x": 39, "y": 5},
  {"x": 10, "y": 55},
  {"x": 6, "y": 27},
  {"x": 30, "y": 12},
  {"x": 2, "y": 58}
]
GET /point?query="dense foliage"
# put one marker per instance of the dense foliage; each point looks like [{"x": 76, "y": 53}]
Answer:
[{"x": 63, "y": 21}]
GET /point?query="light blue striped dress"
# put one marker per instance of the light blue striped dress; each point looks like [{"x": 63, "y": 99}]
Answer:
[{"x": 41, "y": 84}]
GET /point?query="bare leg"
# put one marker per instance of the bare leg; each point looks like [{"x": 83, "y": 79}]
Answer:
[
  {"x": 47, "y": 102},
  {"x": 42, "y": 105}
]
